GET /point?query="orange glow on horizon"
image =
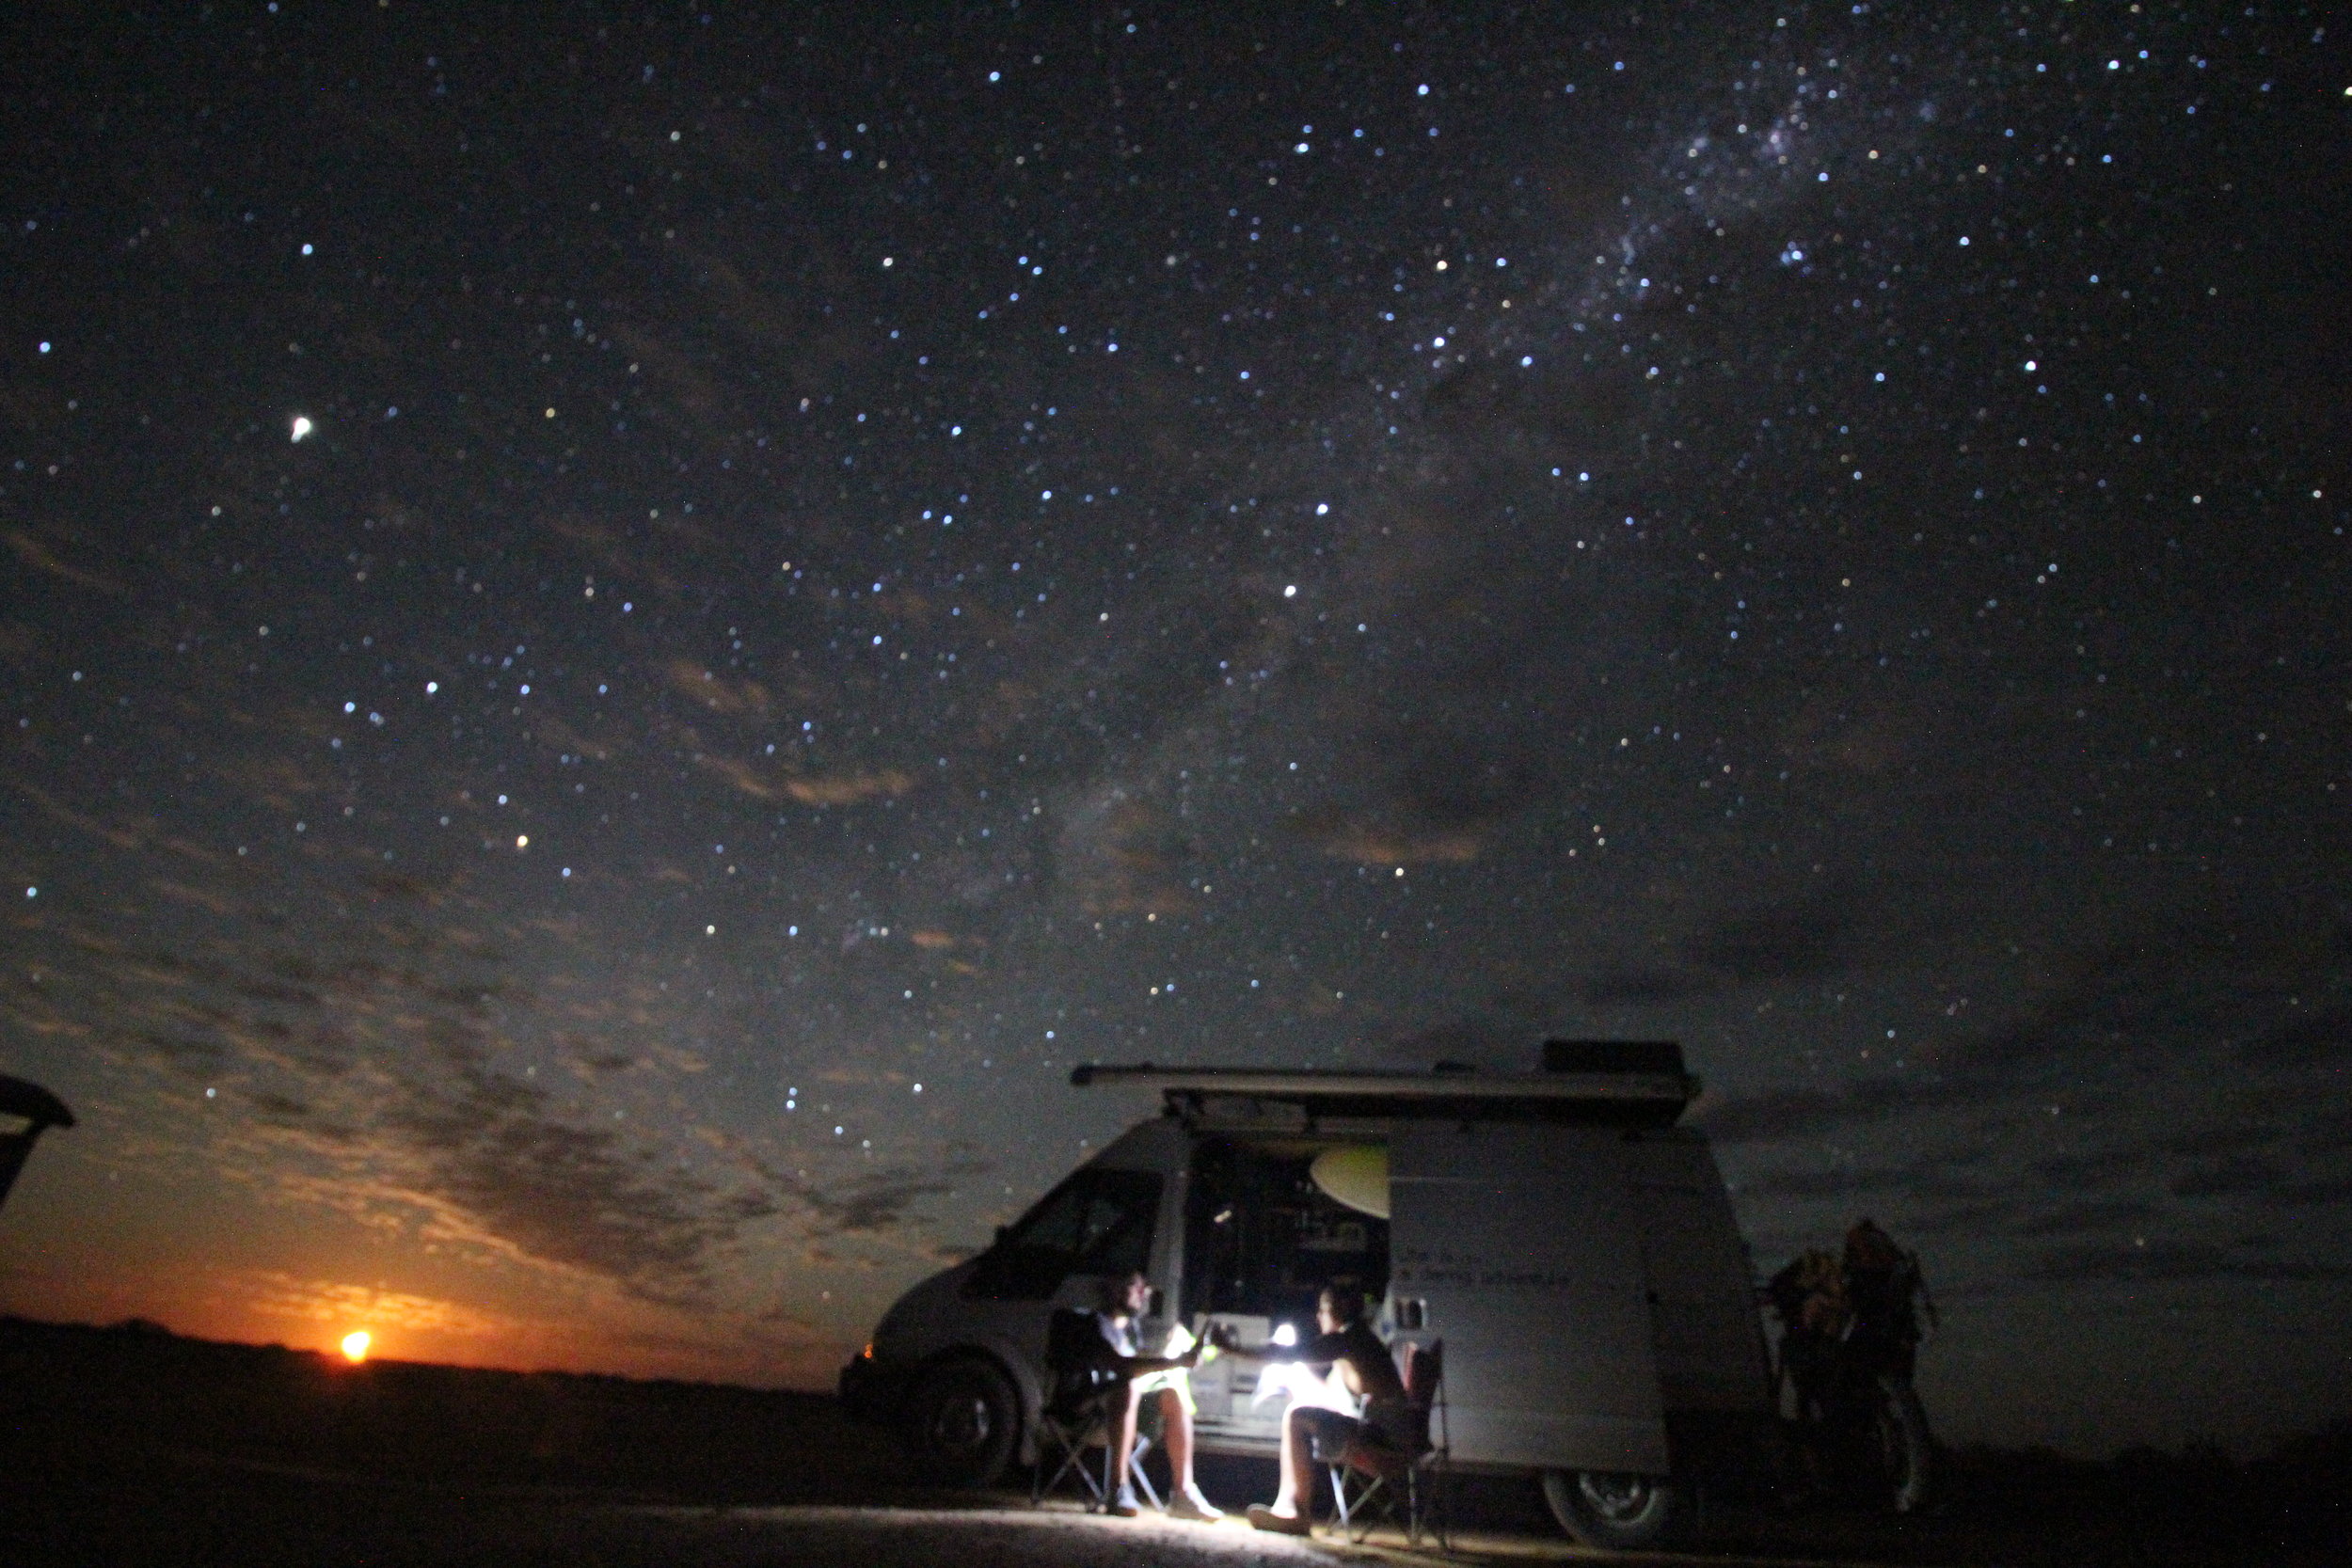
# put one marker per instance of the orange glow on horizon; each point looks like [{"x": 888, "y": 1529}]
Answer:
[{"x": 355, "y": 1346}]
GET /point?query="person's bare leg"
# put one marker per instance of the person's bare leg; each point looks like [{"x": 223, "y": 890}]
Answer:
[
  {"x": 1125, "y": 1440},
  {"x": 1302, "y": 1458},
  {"x": 1288, "y": 1513},
  {"x": 1185, "y": 1500},
  {"x": 1176, "y": 1432},
  {"x": 1297, "y": 1485}
]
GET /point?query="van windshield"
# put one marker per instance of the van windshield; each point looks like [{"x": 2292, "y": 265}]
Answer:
[
  {"x": 1098, "y": 1223},
  {"x": 1263, "y": 1238}
]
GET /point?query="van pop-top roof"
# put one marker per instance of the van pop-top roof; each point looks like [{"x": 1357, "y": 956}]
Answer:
[{"x": 1618, "y": 1083}]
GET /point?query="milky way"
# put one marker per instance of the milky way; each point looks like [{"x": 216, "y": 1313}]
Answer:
[{"x": 624, "y": 638}]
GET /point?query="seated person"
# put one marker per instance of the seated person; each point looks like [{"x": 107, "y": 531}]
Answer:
[
  {"x": 1125, "y": 1301},
  {"x": 1345, "y": 1343}
]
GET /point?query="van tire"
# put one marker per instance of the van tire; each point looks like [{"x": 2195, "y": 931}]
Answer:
[
  {"x": 1620, "y": 1513},
  {"x": 963, "y": 1423}
]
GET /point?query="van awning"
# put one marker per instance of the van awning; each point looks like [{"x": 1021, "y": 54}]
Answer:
[{"x": 1647, "y": 1097}]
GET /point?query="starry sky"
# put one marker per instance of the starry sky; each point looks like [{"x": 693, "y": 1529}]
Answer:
[{"x": 625, "y": 631}]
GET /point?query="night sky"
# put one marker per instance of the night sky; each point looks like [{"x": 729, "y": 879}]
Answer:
[{"x": 626, "y": 631}]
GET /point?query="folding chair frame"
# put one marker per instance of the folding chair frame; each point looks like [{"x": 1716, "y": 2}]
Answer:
[
  {"x": 1356, "y": 1488},
  {"x": 1071, "y": 1440},
  {"x": 1081, "y": 1410}
]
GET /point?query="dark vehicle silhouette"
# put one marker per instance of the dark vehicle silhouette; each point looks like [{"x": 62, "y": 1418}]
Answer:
[
  {"x": 36, "y": 1110},
  {"x": 1850, "y": 1327}
]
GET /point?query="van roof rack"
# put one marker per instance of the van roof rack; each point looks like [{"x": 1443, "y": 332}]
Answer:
[{"x": 1638, "y": 1097}]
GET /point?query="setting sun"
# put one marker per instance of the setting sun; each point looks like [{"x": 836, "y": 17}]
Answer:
[{"x": 355, "y": 1346}]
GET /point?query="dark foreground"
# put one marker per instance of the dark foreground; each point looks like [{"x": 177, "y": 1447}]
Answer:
[{"x": 119, "y": 1447}]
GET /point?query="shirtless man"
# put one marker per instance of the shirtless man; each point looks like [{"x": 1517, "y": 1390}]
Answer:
[{"x": 1343, "y": 1340}]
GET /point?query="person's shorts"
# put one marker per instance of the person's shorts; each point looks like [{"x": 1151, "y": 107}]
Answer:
[
  {"x": 1174, "y": 1380},
  {"x": 1332, "y": 1435}
]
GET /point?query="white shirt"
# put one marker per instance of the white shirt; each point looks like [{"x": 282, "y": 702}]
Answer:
[{"x": 1119, "y": 1334}]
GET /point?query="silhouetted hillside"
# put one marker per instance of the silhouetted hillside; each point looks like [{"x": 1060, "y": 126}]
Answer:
[{"x": 73, "y": 1397}]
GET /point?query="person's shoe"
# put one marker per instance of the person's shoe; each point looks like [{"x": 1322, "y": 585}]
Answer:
[
  {"x": 1124, "y": 1505},
  {"x": 1189, "y": 1504},
  {"x": 1263, "y": 1517}
]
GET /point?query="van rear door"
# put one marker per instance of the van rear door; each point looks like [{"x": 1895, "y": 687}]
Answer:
[
  {"x": 1710, "y": 1341},
  {"x": 1517, "y": 1245}
]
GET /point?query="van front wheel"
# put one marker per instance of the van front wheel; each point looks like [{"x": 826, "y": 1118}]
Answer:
[
  {"x": 1615, "y": 1511},
  {"x": 962, "y": 1422}
]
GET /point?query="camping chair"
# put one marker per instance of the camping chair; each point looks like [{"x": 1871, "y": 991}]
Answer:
[
  {"x": 1371, "y": 1482},
  {"x": 1084, "y": 1397}
]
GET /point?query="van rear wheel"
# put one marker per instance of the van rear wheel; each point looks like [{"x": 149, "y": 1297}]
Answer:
[
  {"x": 962, "y": 1422},
  {"x": 1618, "y": 1511}
]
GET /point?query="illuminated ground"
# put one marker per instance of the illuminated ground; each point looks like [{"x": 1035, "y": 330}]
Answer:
[
  {"x": 124, "y": 1447},
  {"x": 264, "y": 1519}
]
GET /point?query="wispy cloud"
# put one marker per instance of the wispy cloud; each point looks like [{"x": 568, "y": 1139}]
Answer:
[
  {"x": 381, "y": 1071},
  {"x": 42, "y": 557},
  {"x": 277, "y": 1293}
]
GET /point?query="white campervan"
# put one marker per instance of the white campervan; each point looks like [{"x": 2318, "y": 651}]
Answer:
[{"x": 1572, "y": 1247}]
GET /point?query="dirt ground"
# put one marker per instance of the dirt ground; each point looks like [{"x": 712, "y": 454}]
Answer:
[
  {"x": 266, "y": 1521},
  {"x": 186, "y": 1510},
  {"x": 134, "y": 1448},
  {"x": 201, "y": 1516}
]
